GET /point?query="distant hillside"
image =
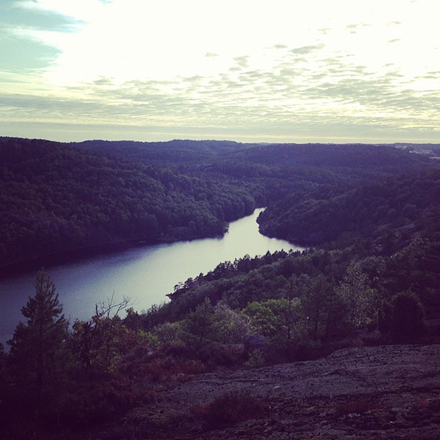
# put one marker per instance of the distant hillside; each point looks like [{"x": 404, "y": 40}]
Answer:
[
  {"x": 330, "y": 155},
  {"x": 373, "y": 209},
  {"x": 177, "y": 152},
  {"x": 188, "y": 152},
  {"x": 55, "y": 198},
  {"x": 58, "y": 197}
]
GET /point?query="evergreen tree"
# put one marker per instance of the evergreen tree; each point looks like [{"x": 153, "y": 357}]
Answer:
[{"x": 37, "y": 353}]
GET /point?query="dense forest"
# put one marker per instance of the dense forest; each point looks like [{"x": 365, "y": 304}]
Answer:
[
  {"x": 374, "y": 210},
  {"x": 370, "y": 216},
  {"x": 57, "y": 197}
]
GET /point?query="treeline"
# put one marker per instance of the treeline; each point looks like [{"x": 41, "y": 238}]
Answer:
[
  {"x": 177, "y": 152},
  {"x": 388, "y": 213},
  {"x": 54, "y": 198},
  {"x": 332, "y": 156}
]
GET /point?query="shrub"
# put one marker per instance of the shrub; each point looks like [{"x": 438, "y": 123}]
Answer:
[
  {"x": 167, "y": 367},
  {"x": 256, "y": 359},
  {"x": 230, "y": 408},
  {"x": 215, "y": 355}
]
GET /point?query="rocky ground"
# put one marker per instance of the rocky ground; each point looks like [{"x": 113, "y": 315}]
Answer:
[{"x": 385, "y": 392}]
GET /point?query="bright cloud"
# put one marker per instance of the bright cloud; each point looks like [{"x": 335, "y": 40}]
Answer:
[{"x": 248, "y": 70}]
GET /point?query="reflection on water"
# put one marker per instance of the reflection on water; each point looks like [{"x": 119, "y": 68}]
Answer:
[{"x": 145, "y": 275}]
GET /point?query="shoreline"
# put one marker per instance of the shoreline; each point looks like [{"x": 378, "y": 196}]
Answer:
[{"x": 73, "y": 255}]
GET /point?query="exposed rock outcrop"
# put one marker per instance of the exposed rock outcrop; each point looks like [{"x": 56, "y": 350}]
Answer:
[{"x": 385, "y": 392}]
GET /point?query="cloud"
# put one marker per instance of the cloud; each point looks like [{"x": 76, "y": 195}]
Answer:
[
  {"x": 242, "y": 61},
  {"x": 306, "y": 50},
  {"x": 287, "y": 96},
  {"x": 100, "y": 64},
  {"x": 353, "y": 28}
]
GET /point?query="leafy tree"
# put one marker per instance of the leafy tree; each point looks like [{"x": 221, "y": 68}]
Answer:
[
  {"x": 230, "y": 326},
  {"x": 263, "y": 317},
  {"x": 358, "y": 296},
  {"x": 200, "y": 323},
  {"x": 99, "y": 344},
  {"x": 38, "y": 357},
  {"x": 281, "y": 320}
]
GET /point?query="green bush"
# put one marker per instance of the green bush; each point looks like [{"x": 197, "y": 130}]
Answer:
[
  {"x": 230, "y": 408},
  {"x": 256, "y": 359}
]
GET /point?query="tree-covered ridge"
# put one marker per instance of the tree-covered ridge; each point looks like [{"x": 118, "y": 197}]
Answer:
[
  {"x": 176, "y": 152},
  {"x": 402, "y": 205},
  {"x": 357, "y": 156},
  {"x": 55, "y": 198},
  {"x": 273, "y": 170},
  {"x": 189, "y": 152},
  {"x": 58, "y": 197}
]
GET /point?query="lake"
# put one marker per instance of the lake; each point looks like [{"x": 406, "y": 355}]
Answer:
[{"x": 143, "y": 274}]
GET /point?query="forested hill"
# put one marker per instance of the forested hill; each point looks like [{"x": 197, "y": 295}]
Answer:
[
  {"x": 188, "y": 152},
  {"x": 58, "y": 197},
  {"x": 55, "y": 198},
  {"x": 406, "y": 204},
  {"x": 177, "y": 152}
]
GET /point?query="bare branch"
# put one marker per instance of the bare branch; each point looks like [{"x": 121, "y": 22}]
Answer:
[{"x": 111, "y": 308}]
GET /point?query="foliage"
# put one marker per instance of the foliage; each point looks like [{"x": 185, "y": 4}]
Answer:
[
  {"x": 54, "y": 198},
  {"x": 281, "y": 320},
  {"x": 100, "y": 344},
  {"x": 37, "y": 359},
  {"x": 231, "y": 408},
  {"x": 91, "y": 403},
  {"x": 389, "y": 212},
  {"x": 230, "y": 326},
  {"x": 320, "y": 304},
  {"x": 199, "y": 324},
  {"x": 359, "y": 299},
  {"x": 255, "y": 359}
]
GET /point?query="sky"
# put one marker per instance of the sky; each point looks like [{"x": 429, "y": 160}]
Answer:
[{"x": 334, "y": 71}]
